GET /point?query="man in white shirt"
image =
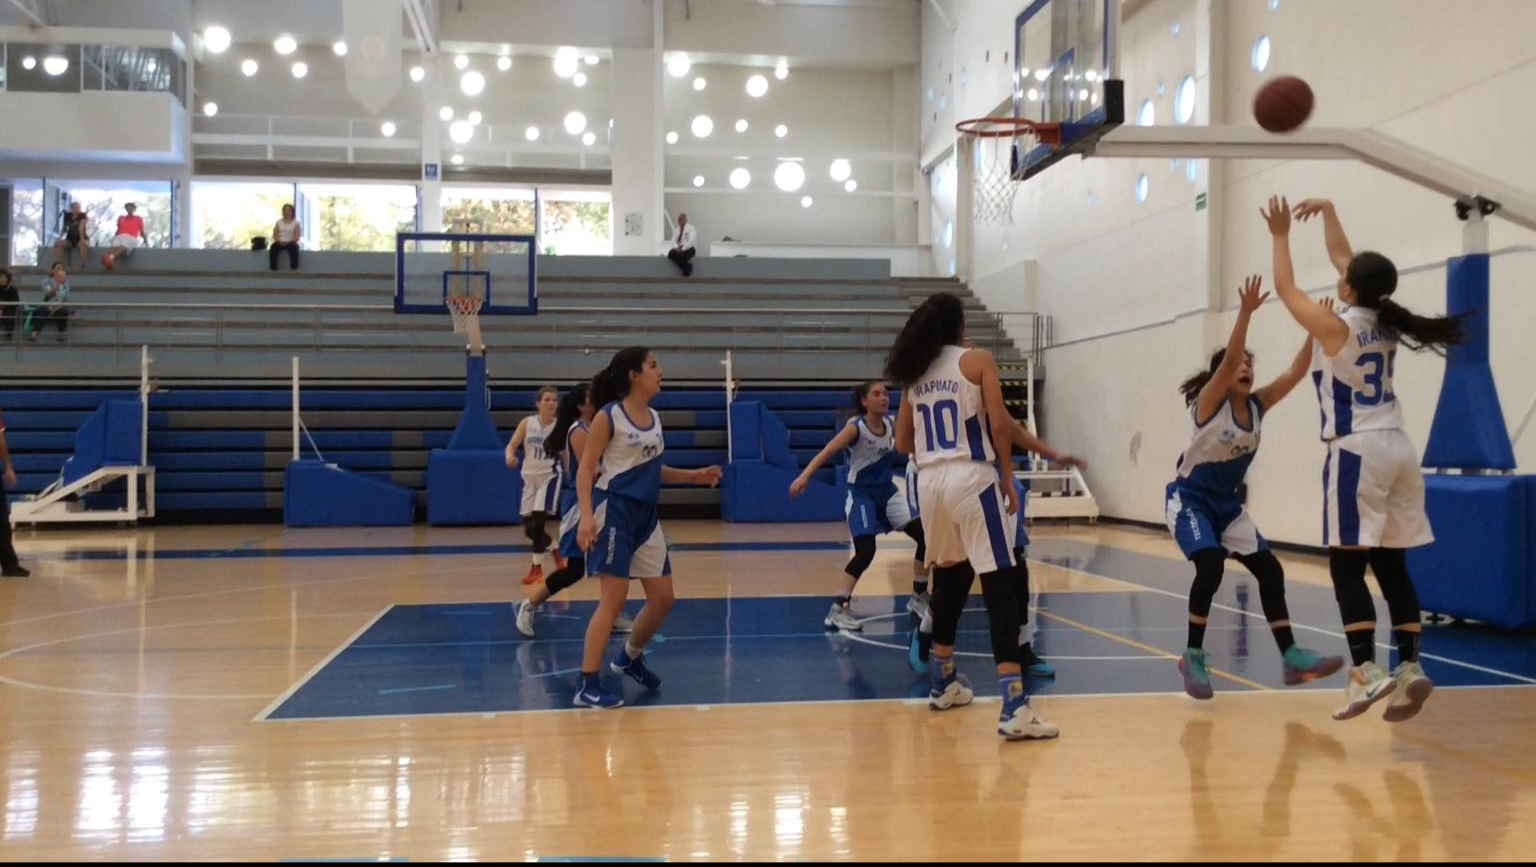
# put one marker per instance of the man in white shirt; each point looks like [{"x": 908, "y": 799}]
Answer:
[{"x": 682, "y": 253}]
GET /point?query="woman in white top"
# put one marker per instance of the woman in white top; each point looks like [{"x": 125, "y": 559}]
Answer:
[
  {"x": 955, "y": 425},
  {"x": 541, "y": 479},
  {"x": 1373, "y": 491},
  {"x": 286, "y": 234}
]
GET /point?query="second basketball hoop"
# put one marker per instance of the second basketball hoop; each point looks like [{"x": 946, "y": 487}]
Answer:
[{"x": 996, "y": 143}]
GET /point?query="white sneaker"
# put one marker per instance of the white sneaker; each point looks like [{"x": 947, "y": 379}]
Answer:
[
  {"x": 624, "y": 623},
  {"x": 1368, "y": 684},
  {"x": 918, "y": 604},
  {"x": 1025, "y": 724},
  {"x": 957, "y": 693},
  {"x": 1413, "y": 689},
  {"x": 842, "y": 618},
  {"x": 525, "y": 612}
]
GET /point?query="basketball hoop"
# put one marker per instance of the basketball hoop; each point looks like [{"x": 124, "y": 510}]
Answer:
[
  {"x": 463, "y": 309},
  {"x": 995, "y": 186}
]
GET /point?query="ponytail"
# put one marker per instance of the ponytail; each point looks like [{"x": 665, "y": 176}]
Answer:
[
  {"x": 569, "y": 412},
  {"x": 612, "y": 382},
  {"x": 1374, "y": 279}
]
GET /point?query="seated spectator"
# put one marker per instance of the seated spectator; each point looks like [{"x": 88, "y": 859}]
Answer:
[
  {"x": 55, "y": 293},
  {"x": 286, "y": 234},
  {"x": 76, "y": 235},
  {"x": 130, "y": 237},
  {"x": 682, "y": 252},
  {"x": 10, "y": 304}
]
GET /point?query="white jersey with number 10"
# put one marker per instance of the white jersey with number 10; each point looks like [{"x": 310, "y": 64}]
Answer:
[{"x": 948, "y": 415}]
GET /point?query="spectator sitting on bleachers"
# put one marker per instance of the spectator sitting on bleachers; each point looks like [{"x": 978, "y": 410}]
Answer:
[
  {"x": 76, "y": 235},
  {"x": 286, "y": 234},
  {"x": 55, "y": 293},
  {"x": 130, "y": 236},
  {"x": 11, "y": 299}
]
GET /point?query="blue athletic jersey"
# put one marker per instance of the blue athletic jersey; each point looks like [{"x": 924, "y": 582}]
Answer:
[
  {"x": 632, "y": 461},
  {"x": 1216, "y": 460},
  {"x": 570, "y": 462},
  {"x": 872, "y": 455}
]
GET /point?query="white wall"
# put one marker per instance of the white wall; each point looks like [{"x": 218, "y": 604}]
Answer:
[
  {"x": 1125, "y": 280},
  {"x": 830, "y": 113},
  {"x": 94, "y": 127}
]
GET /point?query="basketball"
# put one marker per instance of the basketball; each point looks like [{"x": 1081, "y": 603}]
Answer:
[{"x": 1283, "y": 104}]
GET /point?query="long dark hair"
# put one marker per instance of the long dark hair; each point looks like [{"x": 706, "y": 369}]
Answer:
[
  {"x": 1374, "y": 279},
  {"x": 935, "y": 324},
  {"x": 1195, "y": 384},
  {"x": 612, "y": 382},
  {"x": 565, "y": 416}
]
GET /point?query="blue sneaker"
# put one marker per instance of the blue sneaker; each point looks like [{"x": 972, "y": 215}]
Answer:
[
  {"x": 1018, "y": 721},
  {"x": 917, "y": 650},
  {"x": 636, "y": 669},
  {"x": 1197, "y": 677},
  {"x": 592, "y": 694},
  {"x": 1034, "y": 664}
]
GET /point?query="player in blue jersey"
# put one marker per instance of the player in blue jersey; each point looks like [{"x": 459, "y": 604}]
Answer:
[
  {"x": 1204, "y": 505},
  {"x": 1373, "y": 489},
  {"x": 564, "y": 444},
  {"x": 618, "y": 489},
  {"x": 873, "y": 505}
]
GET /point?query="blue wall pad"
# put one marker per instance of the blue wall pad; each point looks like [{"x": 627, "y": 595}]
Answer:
[
  {"x": 1480, "y": 565},
  {"x": 316, "y": 494},
  {"x": 756, "y": 484},
  {"x": 109, "y": 437},
  {"x": 472, "y": 487},
  {"x": 476, "y": 430},
  {"x": 1469, "y": 431}
]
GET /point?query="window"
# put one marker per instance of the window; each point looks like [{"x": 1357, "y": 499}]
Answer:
[
  {"x": 227, "y": 215},
  {"x": 1184, "y": 100},
  {"x": 488, "y": 210},
  {"x": 1147, "y": 115},
  {"x": 1261, "y": 54},
  {"x": 1142, "y": 186},
  {"x": 26, "y": 221},
  {"x": 356, "y": 217},
  {"x": 103, "y": 202},
  {"x": 576, "y": 223}
]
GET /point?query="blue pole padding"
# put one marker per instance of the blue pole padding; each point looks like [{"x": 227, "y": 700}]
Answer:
[{"x": 1469, "y": 431}]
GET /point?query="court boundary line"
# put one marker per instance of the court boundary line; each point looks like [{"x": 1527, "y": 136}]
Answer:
[{"x": 319, "y": 666}]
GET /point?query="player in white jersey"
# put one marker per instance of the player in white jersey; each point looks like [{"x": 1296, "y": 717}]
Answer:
[
  {"x": 618, "y": 489},
  {"x": 564, "y": 444},
  {"x": 954, "y": 423},
  {"x": 1204, "y": 504},
  {"x": 920, "y": 639},
  {"x": 873, "y": 504},
  {"x": 541, "y": 479},
  {"x": 1373, "y": 491}
]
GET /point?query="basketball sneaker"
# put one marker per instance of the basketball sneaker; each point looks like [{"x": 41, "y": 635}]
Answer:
[
  {"x": 1413, "y": 689},
  {"x": 592, "y": 694},
  {"x": 950, "y": 688},
  {"x": 525, "y": 612},
  {"x": 1368, "y": 684},
  {"x": 841, "y": 617},
  {"x": 1303, "y": 665},
  {"x": 635, "y": 669},
  {"x": 535, "y": 575},
  {"x": 1197, "y": 677},
  {"x": 1018, "y": 721}
]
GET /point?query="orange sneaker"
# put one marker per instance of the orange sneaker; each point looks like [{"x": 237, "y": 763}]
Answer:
[{"x": 534, "y": 576}]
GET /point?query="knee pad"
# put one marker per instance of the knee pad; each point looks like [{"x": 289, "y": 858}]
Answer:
[
  {"x": 1270, "y": 574},
  {"x": 1210, "y": 566},
  {"x": 1001, "y": 589},
  {"x": 951, "y": 587},
  {"x": 1391, "y": 568},
  {"x": 863, "y": 555},
  {"x": 1347, "y": 568}
]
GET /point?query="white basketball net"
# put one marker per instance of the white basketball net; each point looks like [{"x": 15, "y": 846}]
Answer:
[
  {"x": 994, "y": 187},
  {"x": 463, "y": 308}
]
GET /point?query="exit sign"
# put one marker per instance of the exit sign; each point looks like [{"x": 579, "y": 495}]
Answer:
[{"x": 1200, "y": 202}]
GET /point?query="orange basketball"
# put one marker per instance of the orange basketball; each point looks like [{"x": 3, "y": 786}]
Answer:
[{"x": 1283, "y": 104}]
